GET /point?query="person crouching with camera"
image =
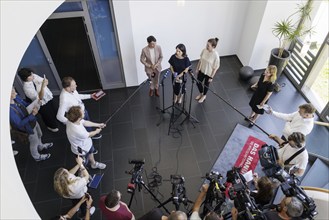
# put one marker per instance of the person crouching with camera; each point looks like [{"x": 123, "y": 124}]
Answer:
[{"x": 293, "y": 155}]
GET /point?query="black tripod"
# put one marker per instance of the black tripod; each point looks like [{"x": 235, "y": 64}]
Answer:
[
  {"x": 137, "y": 181},
  {"x": 163, "y": 110},
  {"x": 188, "y": 114},
  {"x": 178, "y": 194},
  {"x": 173, "y": 116}
]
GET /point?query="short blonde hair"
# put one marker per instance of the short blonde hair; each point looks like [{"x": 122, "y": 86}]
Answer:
[{"x": 273, "y": 70}]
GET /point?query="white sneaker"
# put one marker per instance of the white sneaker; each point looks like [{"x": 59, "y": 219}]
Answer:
[
  {"x": 47, "y": 145},
  {"x": 53, "y": 129},
  {"x": 98, "y": 165},
  {"x": 43, "y": 157},
  {"x": 198, "y": 97},
  {"x": 202, "y": 99}
]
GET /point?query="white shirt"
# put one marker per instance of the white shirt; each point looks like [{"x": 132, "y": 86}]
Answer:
[
  {"x": 152, "y": 54},
  {"x": 295, "y": 123},
  {"x": 67, "y": 100},
  {"x": 209, "y": 61},
  {"x": 195, "y": 216},
  {"x": 33, "y": 94},
  {"x": 300, "y": 161},
  {"x": 78, "y": 187},
  {"x": 78, "y": 137}
]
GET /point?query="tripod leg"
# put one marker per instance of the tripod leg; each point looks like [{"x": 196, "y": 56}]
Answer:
[
  {"x": 131, "y": 198},
  {"x": 148, "y": 189},
  {"x": 164, "y": 203}
]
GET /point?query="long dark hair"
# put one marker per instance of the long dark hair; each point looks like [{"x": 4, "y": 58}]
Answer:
[{"x": 182, "y": 48}]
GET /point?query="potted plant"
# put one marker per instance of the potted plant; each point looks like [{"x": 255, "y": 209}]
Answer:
[{"x": 288, "y": 31}]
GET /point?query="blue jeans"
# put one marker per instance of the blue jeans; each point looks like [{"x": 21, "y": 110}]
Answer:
[{"x": 87, "y": 155}]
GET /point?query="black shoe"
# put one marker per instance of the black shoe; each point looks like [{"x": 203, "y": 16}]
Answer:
[
  {"x": 95, "y": 151},
  {"x": 250, "y": 125},
  {"x": 246, "y": 119},
  {"x": 97, "y": 136}
]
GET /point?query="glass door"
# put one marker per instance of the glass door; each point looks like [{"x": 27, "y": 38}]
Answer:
[
  {"x": 316, "y": 86},
  {"x": 36, "y": 58}
]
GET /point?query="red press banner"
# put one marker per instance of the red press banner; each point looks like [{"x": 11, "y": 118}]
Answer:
[{"x": 248, "y": 157}]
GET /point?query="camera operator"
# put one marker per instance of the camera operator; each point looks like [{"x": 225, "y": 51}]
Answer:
[
  {"x": 113, "y": 208},
  {"x": 198, "y": 202},
  {"x": 292, "y": 153},
  {"x": 264, "y": 190},
  {"x": 289, "y": 208}
]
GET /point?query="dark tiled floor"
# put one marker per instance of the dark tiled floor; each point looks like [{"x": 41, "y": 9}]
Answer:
[{"x": 133, "y": 133}]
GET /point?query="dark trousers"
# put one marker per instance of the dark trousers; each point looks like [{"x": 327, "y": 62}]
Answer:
[
  {"x": 48, "y": 114},
  {"x": 83, "y": 207},
  {"x": 89, "y": 129},
  {"x": 179, "y": 88},
  {"x": 203, "y": 88}
]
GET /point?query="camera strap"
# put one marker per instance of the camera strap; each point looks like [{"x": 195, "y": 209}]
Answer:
[{"x": 293, "y": 156}]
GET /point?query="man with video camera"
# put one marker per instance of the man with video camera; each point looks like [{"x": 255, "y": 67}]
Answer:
[
  {"x": 292, "y": 153},
  {"x": 289, "y": 208},
  {"x": 198, "y": 202}
]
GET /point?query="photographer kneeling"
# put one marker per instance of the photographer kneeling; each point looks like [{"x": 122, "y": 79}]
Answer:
[{"x": 292, "y": 153}]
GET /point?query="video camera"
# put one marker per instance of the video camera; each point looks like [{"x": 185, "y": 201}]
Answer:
[
  {"x": 177, "y": 179},
  {"x": 239, "y": 192},
  {"x": 268, "y": 157},
  {"x": 178, "y": 190},
  {"x": 215, "y": 196},
  {"x": 136, "y": 174}
]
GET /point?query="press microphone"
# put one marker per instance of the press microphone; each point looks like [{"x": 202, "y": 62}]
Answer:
[
  {"x": 166, "y": 74},
  {"x": 190, "y": 71},
  {"x": 136, "y": 161}
]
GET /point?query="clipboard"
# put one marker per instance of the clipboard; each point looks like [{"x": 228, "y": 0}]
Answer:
[{"x": 96, "y": 179}]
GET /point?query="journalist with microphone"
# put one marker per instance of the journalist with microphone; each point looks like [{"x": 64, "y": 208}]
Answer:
[
  {"x": 293, "y": 155},
  {"x": 80, "y": 138}
]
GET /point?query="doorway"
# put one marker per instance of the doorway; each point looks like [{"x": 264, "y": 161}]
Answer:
[{"x": 69, "y": 47}]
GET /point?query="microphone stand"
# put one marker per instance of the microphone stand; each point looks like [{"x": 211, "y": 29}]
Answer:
[
  {"x": 189, "y": 117},
  {"x": 163, "y": 109}
]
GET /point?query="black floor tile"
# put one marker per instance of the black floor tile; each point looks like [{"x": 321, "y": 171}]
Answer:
[{"x": 122, "y": 135}]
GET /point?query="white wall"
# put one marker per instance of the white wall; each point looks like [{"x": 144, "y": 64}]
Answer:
[
  {"x": 192, "y": 24},
  {"x": 250, "y": 31},
  {"x": 19, "y": 22},
  {"x": 256, "y": 47}
]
